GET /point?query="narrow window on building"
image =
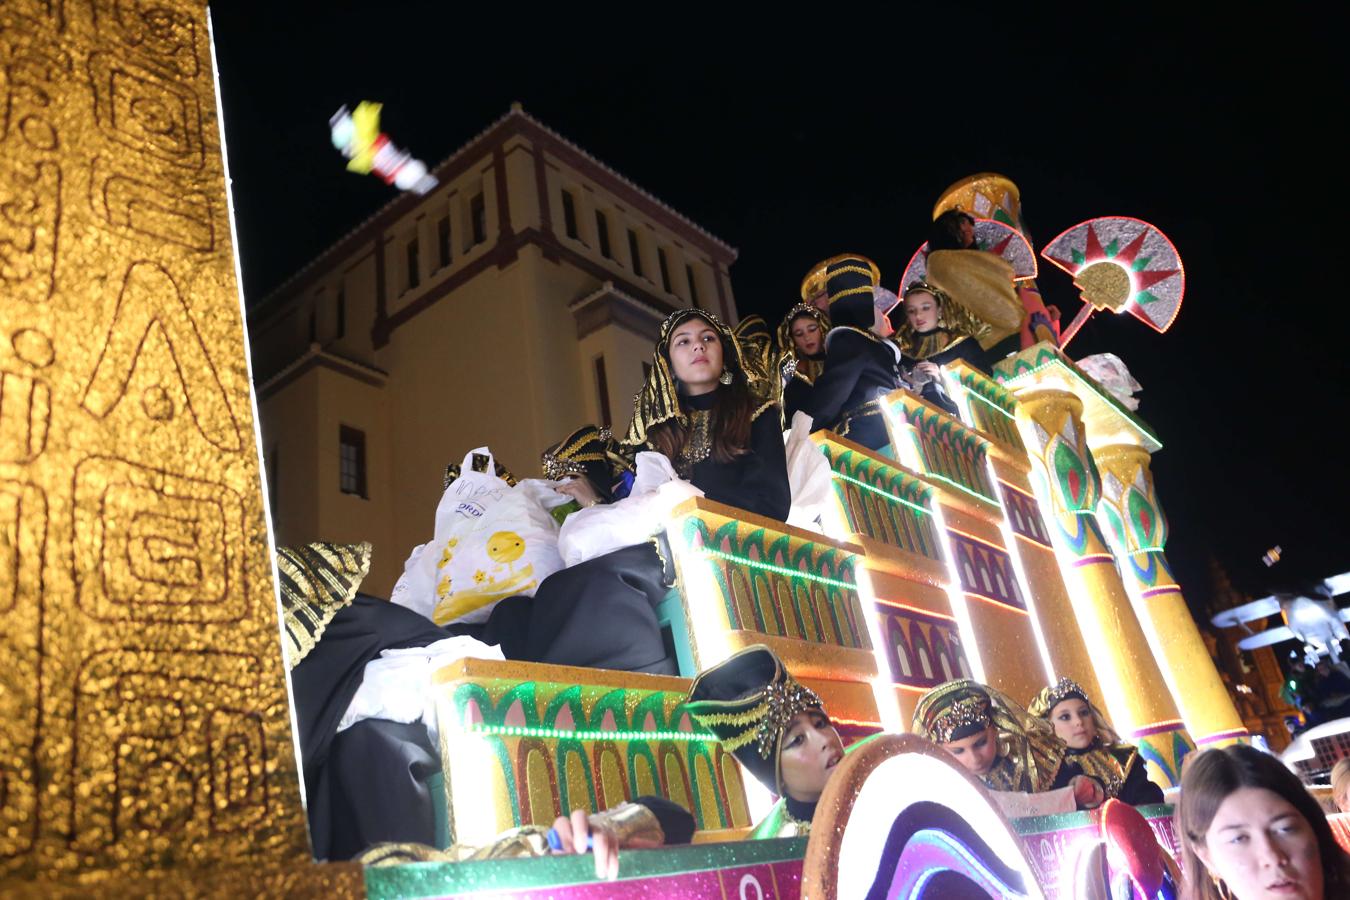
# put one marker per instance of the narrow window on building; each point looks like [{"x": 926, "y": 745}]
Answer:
[
  {"x": 340, "y": 312},
  {"x": 443, "y": 240},
  {"x": 314, "y": 322},
  {"x": 693, "y": 285},
  {"x": 602, "y": 386},
  {"x": 570, "y": 215},
  {"x": 352, "y": 461},
  {"x": 478, "y": 219},
  {"x": 414, "y": 272},
  {"x": 665, "y": 269},
  {"x": 602, "y": 231},
  {"x": 635, "y": 252}
]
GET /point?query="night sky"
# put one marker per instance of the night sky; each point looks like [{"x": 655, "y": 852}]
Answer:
[{"x": 791, "y": 151}]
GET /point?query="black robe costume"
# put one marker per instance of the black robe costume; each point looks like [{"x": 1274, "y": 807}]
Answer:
[
  {"x": 1114, "y": 763},
  {"x": 797, "y": 390},
  {"x": 602, "y": 613},
  {"x": 966, "y": 349},
  {"x": 859, "y": 366},
  {"x": 1135, "y": 789}
]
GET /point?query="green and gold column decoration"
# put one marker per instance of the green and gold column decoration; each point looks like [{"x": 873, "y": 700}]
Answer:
[
  {"x": 1137, "y": 531},
  {"x": 1068, "y": 488}
]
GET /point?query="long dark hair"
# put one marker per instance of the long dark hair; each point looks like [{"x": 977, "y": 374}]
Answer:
[
  {"x": 732, "y": 412},
  {"x": 1210, "y": 776}
]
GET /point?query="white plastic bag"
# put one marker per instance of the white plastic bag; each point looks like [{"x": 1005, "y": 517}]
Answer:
[
  {"x": 397, "y": 686},
  {"x": 602, "y": 529},
  {"x": 1110, "y": 372},
  {"x": 492, "y": 541},
  {"x": 809, "y": 476}
]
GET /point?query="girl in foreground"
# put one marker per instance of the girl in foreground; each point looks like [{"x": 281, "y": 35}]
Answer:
[{"x": 1249, "y": 830}]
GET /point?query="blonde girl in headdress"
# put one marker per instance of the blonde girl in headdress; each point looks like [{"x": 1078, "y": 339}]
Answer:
[{"x": 1094, "y": 744}]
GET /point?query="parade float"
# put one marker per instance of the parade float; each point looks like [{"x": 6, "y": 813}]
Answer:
[{"x": 145, "y": 740}]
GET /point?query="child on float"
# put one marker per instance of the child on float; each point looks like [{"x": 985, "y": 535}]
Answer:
[
  {"x": 1093, "y": 744},
  {"x": 775, "y": 727},
  {"x": 1000, "y": 743},
  {"x": 860, "y": 365},
  {"x": 801, "y": 348},
  {"x": 714, "y": 417},
  {"x": 1250, "y": 830},
  {"x": 934, "y": 332}
]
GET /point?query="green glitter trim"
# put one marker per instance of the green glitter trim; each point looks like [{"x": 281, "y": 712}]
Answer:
[{"x": 496, "y": 876}]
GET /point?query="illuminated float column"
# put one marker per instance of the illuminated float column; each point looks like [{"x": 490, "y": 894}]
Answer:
[
  {"x": 1067, "y": 485},
  {"x": 1133, "y": 521},
  {"x": 991, "y": 411}
]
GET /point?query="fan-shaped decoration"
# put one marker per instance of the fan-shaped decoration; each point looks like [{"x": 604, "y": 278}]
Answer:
[
  {"x": 990, "y": 236},
  {"x": 1124, "y": 265}
]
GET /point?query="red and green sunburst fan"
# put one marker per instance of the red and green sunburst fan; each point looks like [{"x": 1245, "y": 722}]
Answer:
[
  {"x": 1123, "y": 265},
  {"x": 991, "y": 236}
]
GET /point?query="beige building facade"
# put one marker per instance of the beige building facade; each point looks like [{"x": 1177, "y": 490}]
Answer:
[{"x": 516, "y": 301}]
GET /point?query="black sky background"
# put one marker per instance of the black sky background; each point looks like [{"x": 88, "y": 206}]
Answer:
[{"x": 1224, "y": 135}]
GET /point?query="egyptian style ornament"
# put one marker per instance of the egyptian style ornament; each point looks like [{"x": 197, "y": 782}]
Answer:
[
  {"x": 316, "y": 581},
  {"x": 748, "y": 700}
]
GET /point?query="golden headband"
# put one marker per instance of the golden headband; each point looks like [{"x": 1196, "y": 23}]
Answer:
[{"x": 970, "y": 710}]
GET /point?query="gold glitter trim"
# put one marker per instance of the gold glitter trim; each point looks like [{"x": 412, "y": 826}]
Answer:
[
  {"x": 1050, "y": 697},
  {"x": 316, "y": 581},
  {"x": 842, "y": 294},
  {"x": 699, "y": 445}
]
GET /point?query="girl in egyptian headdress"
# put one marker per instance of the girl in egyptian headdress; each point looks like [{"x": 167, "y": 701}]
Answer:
[
  {"x": 776, "y": 728},
  {"x": 934, "y": 331},
  {"x": 801, "y": 347},
  {"x": 709, "y": 412},
  {"x": 999, "y": 742},
  {"x": 1093, "y": 744},
  {"x": 860, "y": 365}
]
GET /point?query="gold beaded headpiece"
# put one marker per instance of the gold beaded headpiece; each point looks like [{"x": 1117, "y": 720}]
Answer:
[
  {"x": 587, "y": 451},
  {"x": 953, "y": 710},
  {"x": 1044, "y": 703},
  {"x": 968, "y": 713},
  {"x": 747, "y": 701},
  {"x": 1055, "y": 694}
]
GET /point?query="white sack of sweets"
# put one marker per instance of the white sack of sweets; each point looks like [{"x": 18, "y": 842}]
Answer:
[
  {"x": 492, "y": 541},
  {"x": 607, "y": 527},
  {"x": 397, "y": 687},
  {"x": 809, "y": 476}
]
